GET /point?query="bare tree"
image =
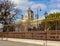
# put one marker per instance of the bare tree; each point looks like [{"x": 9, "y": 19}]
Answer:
[{"x": 8, "y": 14}]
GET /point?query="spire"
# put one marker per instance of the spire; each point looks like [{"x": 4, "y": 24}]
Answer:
[{"x": 29, "y": 9}]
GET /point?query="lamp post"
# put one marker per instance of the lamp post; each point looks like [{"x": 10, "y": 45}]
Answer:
[
  {"x": 37, "y": 17},
  {"x": 45, "y": 26}
]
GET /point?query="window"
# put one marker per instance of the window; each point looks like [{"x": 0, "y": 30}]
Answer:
[
  {"x": 41, "y": 36},
  {"x": 52, "y": 36},
  {"x": 57, "y": 36}
]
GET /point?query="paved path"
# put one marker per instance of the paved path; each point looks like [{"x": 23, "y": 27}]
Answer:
[
  {"x": 9, "y": 43},
  {"x": 31, "y": 42}
]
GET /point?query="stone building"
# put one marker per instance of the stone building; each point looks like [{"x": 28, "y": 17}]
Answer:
[{"x": 28, "y": 22}]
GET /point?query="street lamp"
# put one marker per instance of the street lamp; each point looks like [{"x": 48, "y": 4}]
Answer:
[
  {"x": 37, "y": 16},
  {"x": 45, "y": 26}
]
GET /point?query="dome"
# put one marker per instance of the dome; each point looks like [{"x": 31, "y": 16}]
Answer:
[
  {"x": 29, "y": 15},
  {"x": 29, "y": 10}
]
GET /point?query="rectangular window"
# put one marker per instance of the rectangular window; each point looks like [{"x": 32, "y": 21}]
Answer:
[
  {"x": 57, "y": 36},
  {"x": 52, "y": 36}
]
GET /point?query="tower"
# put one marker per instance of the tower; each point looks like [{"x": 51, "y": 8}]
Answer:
[{"x": 29, "y": 15}]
